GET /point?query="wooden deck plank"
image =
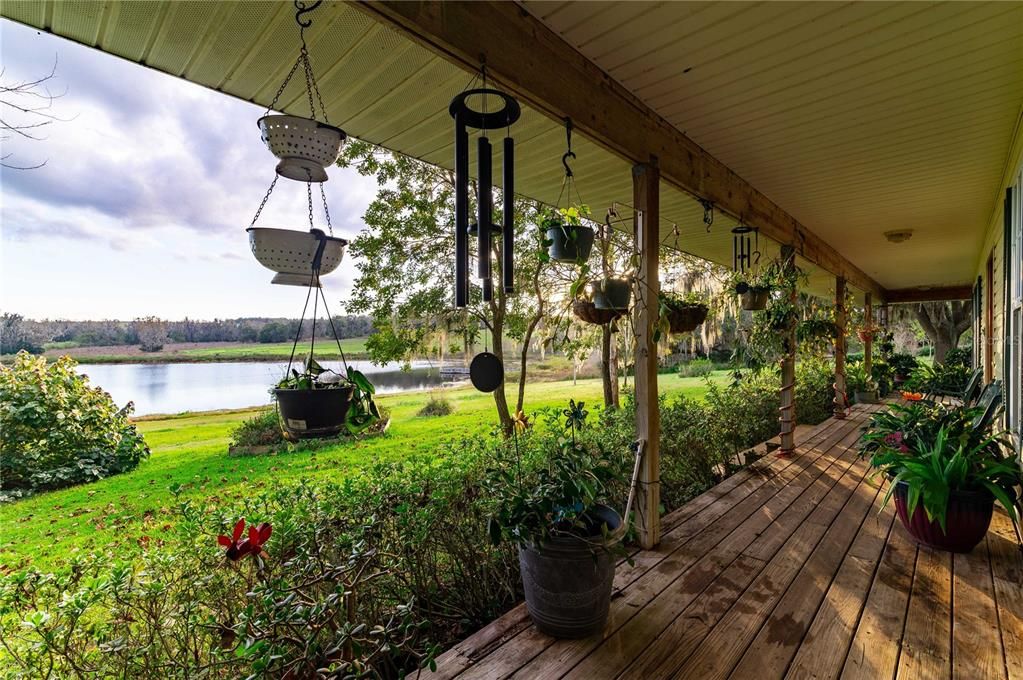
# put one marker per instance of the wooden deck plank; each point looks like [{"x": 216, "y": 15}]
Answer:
[
  {"x": 727, "y": 641},
  {"x": 1007, "y": 573},
  {"x": 927, "y": 641},
  {"x": 823, "y": 649},
  {"x": 976, "y": 643},
  {"x": 877, "y": 641},
  {"x": 562, "y": 655},
  {"x": 666, "y": 590},
  {"x": 690, "y": 628}
]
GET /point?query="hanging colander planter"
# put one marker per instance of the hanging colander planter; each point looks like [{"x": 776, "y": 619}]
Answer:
[
  {"x": 293, "y": 254},
  {"x": 304, "y": 146}
]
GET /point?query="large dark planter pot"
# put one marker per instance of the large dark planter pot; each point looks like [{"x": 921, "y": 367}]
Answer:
[
  {"x": 686, "y": 319},
  {"x": 755, "y": 299},
  {"x": 311, "y": 414},
  {"x": 612, "y": 294},
  {"x": 570, "y": 243},
  {"x": 588, "y": 312},
  {"x": 967, "y": 521},
  {"x": 568, "y": 581}
]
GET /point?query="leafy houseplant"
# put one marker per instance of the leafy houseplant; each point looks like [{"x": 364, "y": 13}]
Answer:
[
  {"x": 319, "y": 402},
  {"x": 611, "y": 293},
  {"x": 566, "y": 534},
  {"x": 861, "y": 384},
  {"x": 902, "y": 366},
  {"x": 945, "y": 473},
  {"x": 681, "y": 313},
  {"x": 567, "y": 238}
]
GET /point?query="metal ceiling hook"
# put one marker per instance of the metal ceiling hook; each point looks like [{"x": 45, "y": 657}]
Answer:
[
  {"x": 301, "y": 8},
  {"x": 568, "y": 154}
]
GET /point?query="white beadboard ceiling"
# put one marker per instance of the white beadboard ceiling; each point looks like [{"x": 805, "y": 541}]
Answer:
[{"x": 855, "y": 118}]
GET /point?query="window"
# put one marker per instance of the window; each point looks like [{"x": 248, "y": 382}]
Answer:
[{"x": 1014, "y": 312}]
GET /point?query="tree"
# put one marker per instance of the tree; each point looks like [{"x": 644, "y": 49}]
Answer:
[
  {"x": 15, "y": 336},
  {"x": 406, "y": 268},
  {"x": 152, "y": 333},
  {"x": 26, "y": 111},
  {"x": 274, "y": 331},
  {"x": 944, "y": 323}
]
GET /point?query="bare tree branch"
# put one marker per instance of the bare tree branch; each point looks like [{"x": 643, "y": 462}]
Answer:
[{"x": 15, "y": 96}]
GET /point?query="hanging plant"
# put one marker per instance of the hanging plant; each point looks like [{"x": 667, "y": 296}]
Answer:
[
  {"x": 567, "y": 238},
  {"x": 319, "y": 402},
  {"x": 611, "y": 293},
  {"x": 586, "y": 311},
  {"x": 681, "y": 313}
]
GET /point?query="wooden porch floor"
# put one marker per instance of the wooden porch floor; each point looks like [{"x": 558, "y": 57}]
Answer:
[{"x": 786, "y": 570}]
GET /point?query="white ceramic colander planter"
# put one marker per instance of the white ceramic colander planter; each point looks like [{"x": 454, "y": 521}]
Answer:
[
  {"x": 291, "y": 253},
  {"x": 305, "y": 146}
]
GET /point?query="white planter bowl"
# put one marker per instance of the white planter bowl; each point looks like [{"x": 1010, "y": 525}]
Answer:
[
  {"x": 290, "y": 253},
  {"x": 304, "y": 146}
]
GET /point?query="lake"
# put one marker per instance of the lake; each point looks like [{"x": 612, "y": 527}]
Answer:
[{"x": 173, "y": 388}]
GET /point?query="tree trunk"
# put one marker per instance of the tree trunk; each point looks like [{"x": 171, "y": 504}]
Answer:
[
  {"x": 605, "y": 365},
  {"x": 944, "y": 323}
]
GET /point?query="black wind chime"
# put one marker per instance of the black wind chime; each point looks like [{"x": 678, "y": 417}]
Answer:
[
  {"x": 745, "y": 249},
  {"x": 486, "y": 371}
]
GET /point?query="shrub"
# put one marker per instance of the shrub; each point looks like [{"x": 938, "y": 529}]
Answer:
[
  {"x": 958, "y": 356},
  {"x": 437, "y": 406},
  {"x": 697, "y": 368},
  {"x": 56, "y": 431},
  {"x": 815, "y": 392},
  {"x": 262, "y": 429}
]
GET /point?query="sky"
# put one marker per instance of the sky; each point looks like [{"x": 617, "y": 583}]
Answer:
[{"x": 149, "y": 184}]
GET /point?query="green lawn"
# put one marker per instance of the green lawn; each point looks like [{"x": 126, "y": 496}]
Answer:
[
  {"x": 273, "y": 350},
  {"x": 191, "y": 449}
]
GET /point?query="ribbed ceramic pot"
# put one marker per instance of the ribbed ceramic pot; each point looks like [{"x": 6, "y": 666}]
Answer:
[{"x": 967, "y": 520}]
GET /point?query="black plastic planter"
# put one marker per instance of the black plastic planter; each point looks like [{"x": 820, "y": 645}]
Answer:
[
  {"x": 967, "y": 519},
  {"x": 568, "y": 580},
  {"x": 754, "y": 299},
  {"x": 312, "y": 414},
  {"x": 611, "y": 294},
  {"x": 570, "y": 243}
]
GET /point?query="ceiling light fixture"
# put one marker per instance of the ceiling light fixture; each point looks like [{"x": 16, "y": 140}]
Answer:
[{"x": 898, "y": 235}]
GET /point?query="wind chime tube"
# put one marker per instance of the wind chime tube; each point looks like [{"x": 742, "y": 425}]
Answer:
[
  {"x": 484, "y": 212},
  {"x": 508, "y": 246},
  {"x": 461, "y": 213},
  {"x": 735, "y": 252}
]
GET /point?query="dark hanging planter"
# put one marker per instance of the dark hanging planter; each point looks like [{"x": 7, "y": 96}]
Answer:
[
  {"x": 569, "y": 242},
  {"x": 967, "y": 520},
  {"x": 568, "y": 579},
  {"x": 684, "y": 318},
  {"x": 314, "y": 413},
  {"x": 754, "y": 299},
  {"x": 613, "y": 294},
  {"x": 586, "y": 311}
]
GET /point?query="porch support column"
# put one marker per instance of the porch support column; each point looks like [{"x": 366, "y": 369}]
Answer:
[
  {"x": 646, "y": 199},
  {"x": 841, "y": 398},
  {"x": 868, "y": 345},
  {"x": 787, "y": 411}
]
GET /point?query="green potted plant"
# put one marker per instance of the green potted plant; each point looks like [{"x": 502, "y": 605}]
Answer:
[
  {"x": 611, "y": 293},
  {"x": 679, "y": 313},
  {"x": 320, "y": 402},
  {"x": 945, "y": 472},
  {"x": 860, "y": 384},
  {"x": 902, "y": 366},
  {"x": 567, "y": 238},
  {"x": 556, "y": 511},
  {"x": 754, "y": 287}
]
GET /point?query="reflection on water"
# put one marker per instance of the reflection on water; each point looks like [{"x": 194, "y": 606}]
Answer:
[{"x": 173, "y": 388}]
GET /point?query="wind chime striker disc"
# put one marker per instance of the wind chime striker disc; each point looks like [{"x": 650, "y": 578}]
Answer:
[{"x": 486, "y": 372}]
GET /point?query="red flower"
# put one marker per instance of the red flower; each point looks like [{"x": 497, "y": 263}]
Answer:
[
  {"x": 912, "y": 396},
  {"x": 894, "y": 440},
  {"x": 238, "y": 547}
]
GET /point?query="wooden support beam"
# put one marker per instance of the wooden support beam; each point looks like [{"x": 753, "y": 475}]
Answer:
[
  {"x": 535, "y": 64},
  {"x": 787, "y": 410},
  {"x": 646, "y": 199},
  {"x": 931, "y": 294},
  {"x": 841, "y": 396},
  {"x": 868, "y": 345}
]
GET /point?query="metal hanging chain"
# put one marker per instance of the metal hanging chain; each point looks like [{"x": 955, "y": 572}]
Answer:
[
  {"x": 298, "y": 333},
  {"x": 265, "y": 199},
  {"x": 309, "y": 196},
  {"x": 303, "y": 60},
  {"x": 330, "y": 318},
  {"x": 326, "y": 210}
]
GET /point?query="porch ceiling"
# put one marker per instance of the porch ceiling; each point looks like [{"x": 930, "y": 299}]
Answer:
[
  {"x": 938, "y": 87},
  {"x": 856, "y": 118}
]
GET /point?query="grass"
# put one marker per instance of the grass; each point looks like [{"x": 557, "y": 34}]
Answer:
[
  {"x": 191, "y": 449},
  {"x": 273, "y": 350},
  {"x": 354, "y": 348}
]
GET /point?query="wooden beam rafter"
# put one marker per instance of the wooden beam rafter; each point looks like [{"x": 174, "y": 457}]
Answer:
[
  {"x": 928, "y": 294},
  {"x": 535, "y": 64}
]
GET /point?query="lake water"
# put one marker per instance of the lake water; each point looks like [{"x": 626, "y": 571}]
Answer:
[{"x": 173, "y": 388}]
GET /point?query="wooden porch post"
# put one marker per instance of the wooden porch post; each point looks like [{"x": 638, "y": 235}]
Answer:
[
  {"x": 646, "y": 198},
  {"x": 841, "y": 397},
  {"x": 868, "y": 346},
  {"x": 787, "y": 411}
]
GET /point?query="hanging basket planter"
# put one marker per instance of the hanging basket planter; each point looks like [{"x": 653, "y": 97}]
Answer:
[
  {"x": 685, "y": 317},
  {"x": 569, "y": 243},
  {"x": 586, "y": 311},
  {"x": 304, "y": 146},
  {"x": 612, "y": 294},
  {"x": 314, "y": 413},
  {"x": 293, "y": 254},
  {"x": 754, "y": 299}
]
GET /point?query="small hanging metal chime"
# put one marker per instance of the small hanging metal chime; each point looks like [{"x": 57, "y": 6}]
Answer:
[
  {"x": 483, "y": 121},
  {"x": 745, "y": 249}
]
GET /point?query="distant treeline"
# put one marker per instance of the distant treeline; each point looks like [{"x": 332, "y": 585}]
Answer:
[{"x": 17, "y": 332}]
